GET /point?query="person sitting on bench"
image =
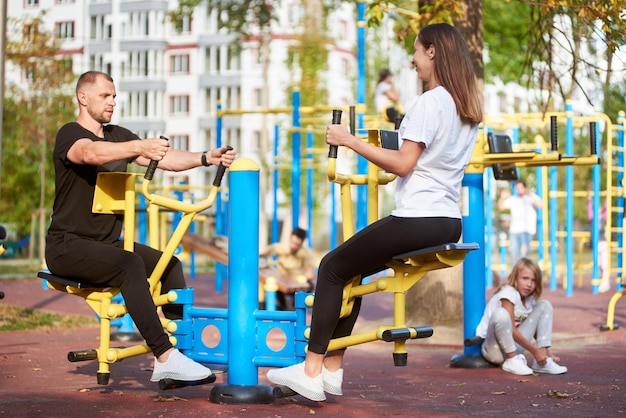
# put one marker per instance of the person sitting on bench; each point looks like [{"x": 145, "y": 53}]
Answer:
[
  {"x": 438, "y": 135},
  {"x": 512, "y": 317},
  {"x": 85, "y": 245},
  {"x": 294, "y": 261}
]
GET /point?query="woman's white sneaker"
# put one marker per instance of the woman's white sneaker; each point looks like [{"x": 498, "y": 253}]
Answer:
[
  {"x": 295, "y": 378},
  {"x": 332, "y": 381}
]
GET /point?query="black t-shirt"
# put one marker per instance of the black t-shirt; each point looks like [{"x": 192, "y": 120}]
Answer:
[{"x": 75, "y": 186}]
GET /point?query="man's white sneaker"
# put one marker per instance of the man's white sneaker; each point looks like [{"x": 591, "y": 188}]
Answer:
[
  {"x": 551, "y": 367},
  {"x": 517, "y": 365},
  {"x": 332, "y": 381},
  {"x": 179, "y": 367},
  {"x": 295, "y": 378}
]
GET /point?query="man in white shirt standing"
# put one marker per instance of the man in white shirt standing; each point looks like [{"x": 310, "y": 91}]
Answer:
[{"x": 523, "y": 226}]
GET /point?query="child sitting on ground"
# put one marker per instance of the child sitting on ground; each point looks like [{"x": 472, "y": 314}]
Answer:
[{"x": 512, "y": 317}]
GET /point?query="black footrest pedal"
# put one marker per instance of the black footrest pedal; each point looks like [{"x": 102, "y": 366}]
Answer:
[
  {"x": 283, "y": 392},
  {"x": 165, "y": 384},
  {"x": 400, "y": 334}
]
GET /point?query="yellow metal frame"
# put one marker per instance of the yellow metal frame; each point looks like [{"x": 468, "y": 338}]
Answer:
[
  {"x": 116, "y": 193},
  {"x": 406, "y": 273}
]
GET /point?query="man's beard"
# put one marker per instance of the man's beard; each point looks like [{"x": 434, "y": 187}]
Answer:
[{"x": 101, "y": 118}]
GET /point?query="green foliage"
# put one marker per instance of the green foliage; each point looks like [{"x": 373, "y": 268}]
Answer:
[
  {"x": 505, "y": 35},
  {"x": 31, "y": 118}
]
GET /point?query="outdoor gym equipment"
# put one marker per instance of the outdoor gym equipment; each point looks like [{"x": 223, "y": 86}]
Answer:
[{"x": 115, "y": 194}]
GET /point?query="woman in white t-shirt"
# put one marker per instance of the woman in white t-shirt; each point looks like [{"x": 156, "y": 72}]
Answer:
[
  {"x": 513, "y": 317},
  {"x": 437, "y": 138}
]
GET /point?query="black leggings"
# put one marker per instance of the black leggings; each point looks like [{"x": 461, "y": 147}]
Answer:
[
  {"x": 366, "y": 252},
  {"x": 111, "y": 265}
]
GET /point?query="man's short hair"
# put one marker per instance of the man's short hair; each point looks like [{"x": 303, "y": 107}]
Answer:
[{"x": 300, "y": 233}]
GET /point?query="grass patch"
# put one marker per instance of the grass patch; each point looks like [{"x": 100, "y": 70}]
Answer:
[{"x": 14, "y": 318}]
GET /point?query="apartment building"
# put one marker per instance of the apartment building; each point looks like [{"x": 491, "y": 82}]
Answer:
[{"x": 170, "y": 79}]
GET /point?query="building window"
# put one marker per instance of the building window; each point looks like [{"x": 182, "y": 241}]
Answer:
[
  {"x": 32, "y": 3},
  {"x": 179, "y": 105},
  {"x": 179, "y": 64},
  {"x": 180, "y": 142},
  {"x": 64, "y": 30},
  {"x": 257, "y": 97},
  {"x": 182, "y": 25}
]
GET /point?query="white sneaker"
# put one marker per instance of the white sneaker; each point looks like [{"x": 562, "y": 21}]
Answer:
[
  {"x": 295, "y": 378},
  {"x": 551, "y": 367},
  {"x": 517, "y": 365},
  {"x": 179, "y": 367},
  {"x": 332, "y": 381},
  {"x": 604, "y": 287}
]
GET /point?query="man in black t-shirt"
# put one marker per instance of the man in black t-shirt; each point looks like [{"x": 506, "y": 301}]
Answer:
[{"x": 87, "y": 245}]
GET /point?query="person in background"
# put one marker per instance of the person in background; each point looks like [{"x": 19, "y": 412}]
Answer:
[
  {"x": 523, "y": 207},
  {"x": 83, "y": 244},
  {"x": 514, "y": 316},
  {"x": 386, "y": 97},
  {"x": 437, "y": 135},
  {"x": 295, "y": 262},
  {"x": 603, "y": 245}
]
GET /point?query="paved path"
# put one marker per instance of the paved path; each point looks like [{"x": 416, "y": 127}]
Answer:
[{"x": 37, "y": 381}]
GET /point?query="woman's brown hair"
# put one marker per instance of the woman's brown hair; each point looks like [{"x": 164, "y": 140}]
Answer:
[{"x": 453, "y": 68}]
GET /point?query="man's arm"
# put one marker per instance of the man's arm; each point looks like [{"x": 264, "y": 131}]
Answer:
[
  {"x": 177, "y": 160},
  {"x": 87, "y": 152}
]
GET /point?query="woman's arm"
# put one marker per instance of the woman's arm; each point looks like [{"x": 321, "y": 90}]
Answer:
[{"x": 396, "y": 162}]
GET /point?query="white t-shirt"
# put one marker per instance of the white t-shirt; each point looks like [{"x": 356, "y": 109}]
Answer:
[
  {"x": 523, "y": 214},
  {"x": 432, "y": 189},
  {"x": 520, "y": 312}
]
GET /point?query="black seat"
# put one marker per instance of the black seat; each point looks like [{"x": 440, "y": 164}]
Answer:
[{"x": 67, "y": 281}]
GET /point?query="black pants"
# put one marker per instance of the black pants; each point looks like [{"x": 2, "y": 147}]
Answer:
[
  {"x": 366, "y": 252},
  {"x": 111, "y": 265}
]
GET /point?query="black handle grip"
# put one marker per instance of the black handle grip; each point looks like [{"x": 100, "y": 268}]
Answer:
[
  {"x": 221, "y": 170},
  {"x": 153, "y": 165},
  {"x": 554, "y": 142},
  {"x": 353, "y": 120},
  {"x": 592, "y": 138},
  {"x": 332, "y": 149}
]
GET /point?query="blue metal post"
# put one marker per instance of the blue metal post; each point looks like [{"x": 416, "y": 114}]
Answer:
[
  {"x": 489, "y": 241},
  {"x": 296, "y": 143},
  {"x": 220, "y": 224},
  {"x": 621, "y": 118},
  {"x": 569, "y": 201},
  {"x": 243, "y": 289},
  {"x": 361, "y": 209},
  {"x": 554, "y": 215},
  {"x": 595, "y": 221},
  {"x": 474, "y": 298},
  {"x": 275, "y": 186},
  {"x": 309, "y": 187}
]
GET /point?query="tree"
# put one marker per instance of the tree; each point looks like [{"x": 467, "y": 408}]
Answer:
[{"x": 31, "y": 117}]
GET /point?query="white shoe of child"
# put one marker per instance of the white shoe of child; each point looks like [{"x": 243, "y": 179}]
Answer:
[
  {"x": 551, "y": 367},
  {"x": 517, "y": 365}
]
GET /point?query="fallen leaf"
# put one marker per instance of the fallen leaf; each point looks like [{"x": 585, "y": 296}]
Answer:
[
  {"x": 534, "y": 404},
  {"x": 83, "y": 390},
  {"x": 556, "y": 394},
  {"x": 37, "y": 369},
  {"x": 498, "y": 393},
  {"x": 170, "y": 399},
  {"x": 523, "y": 380},
  {"x": 311, "y": 412}
]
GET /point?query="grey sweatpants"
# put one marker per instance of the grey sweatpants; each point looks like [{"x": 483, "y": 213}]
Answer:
[{"x": 499, "y": 339}]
